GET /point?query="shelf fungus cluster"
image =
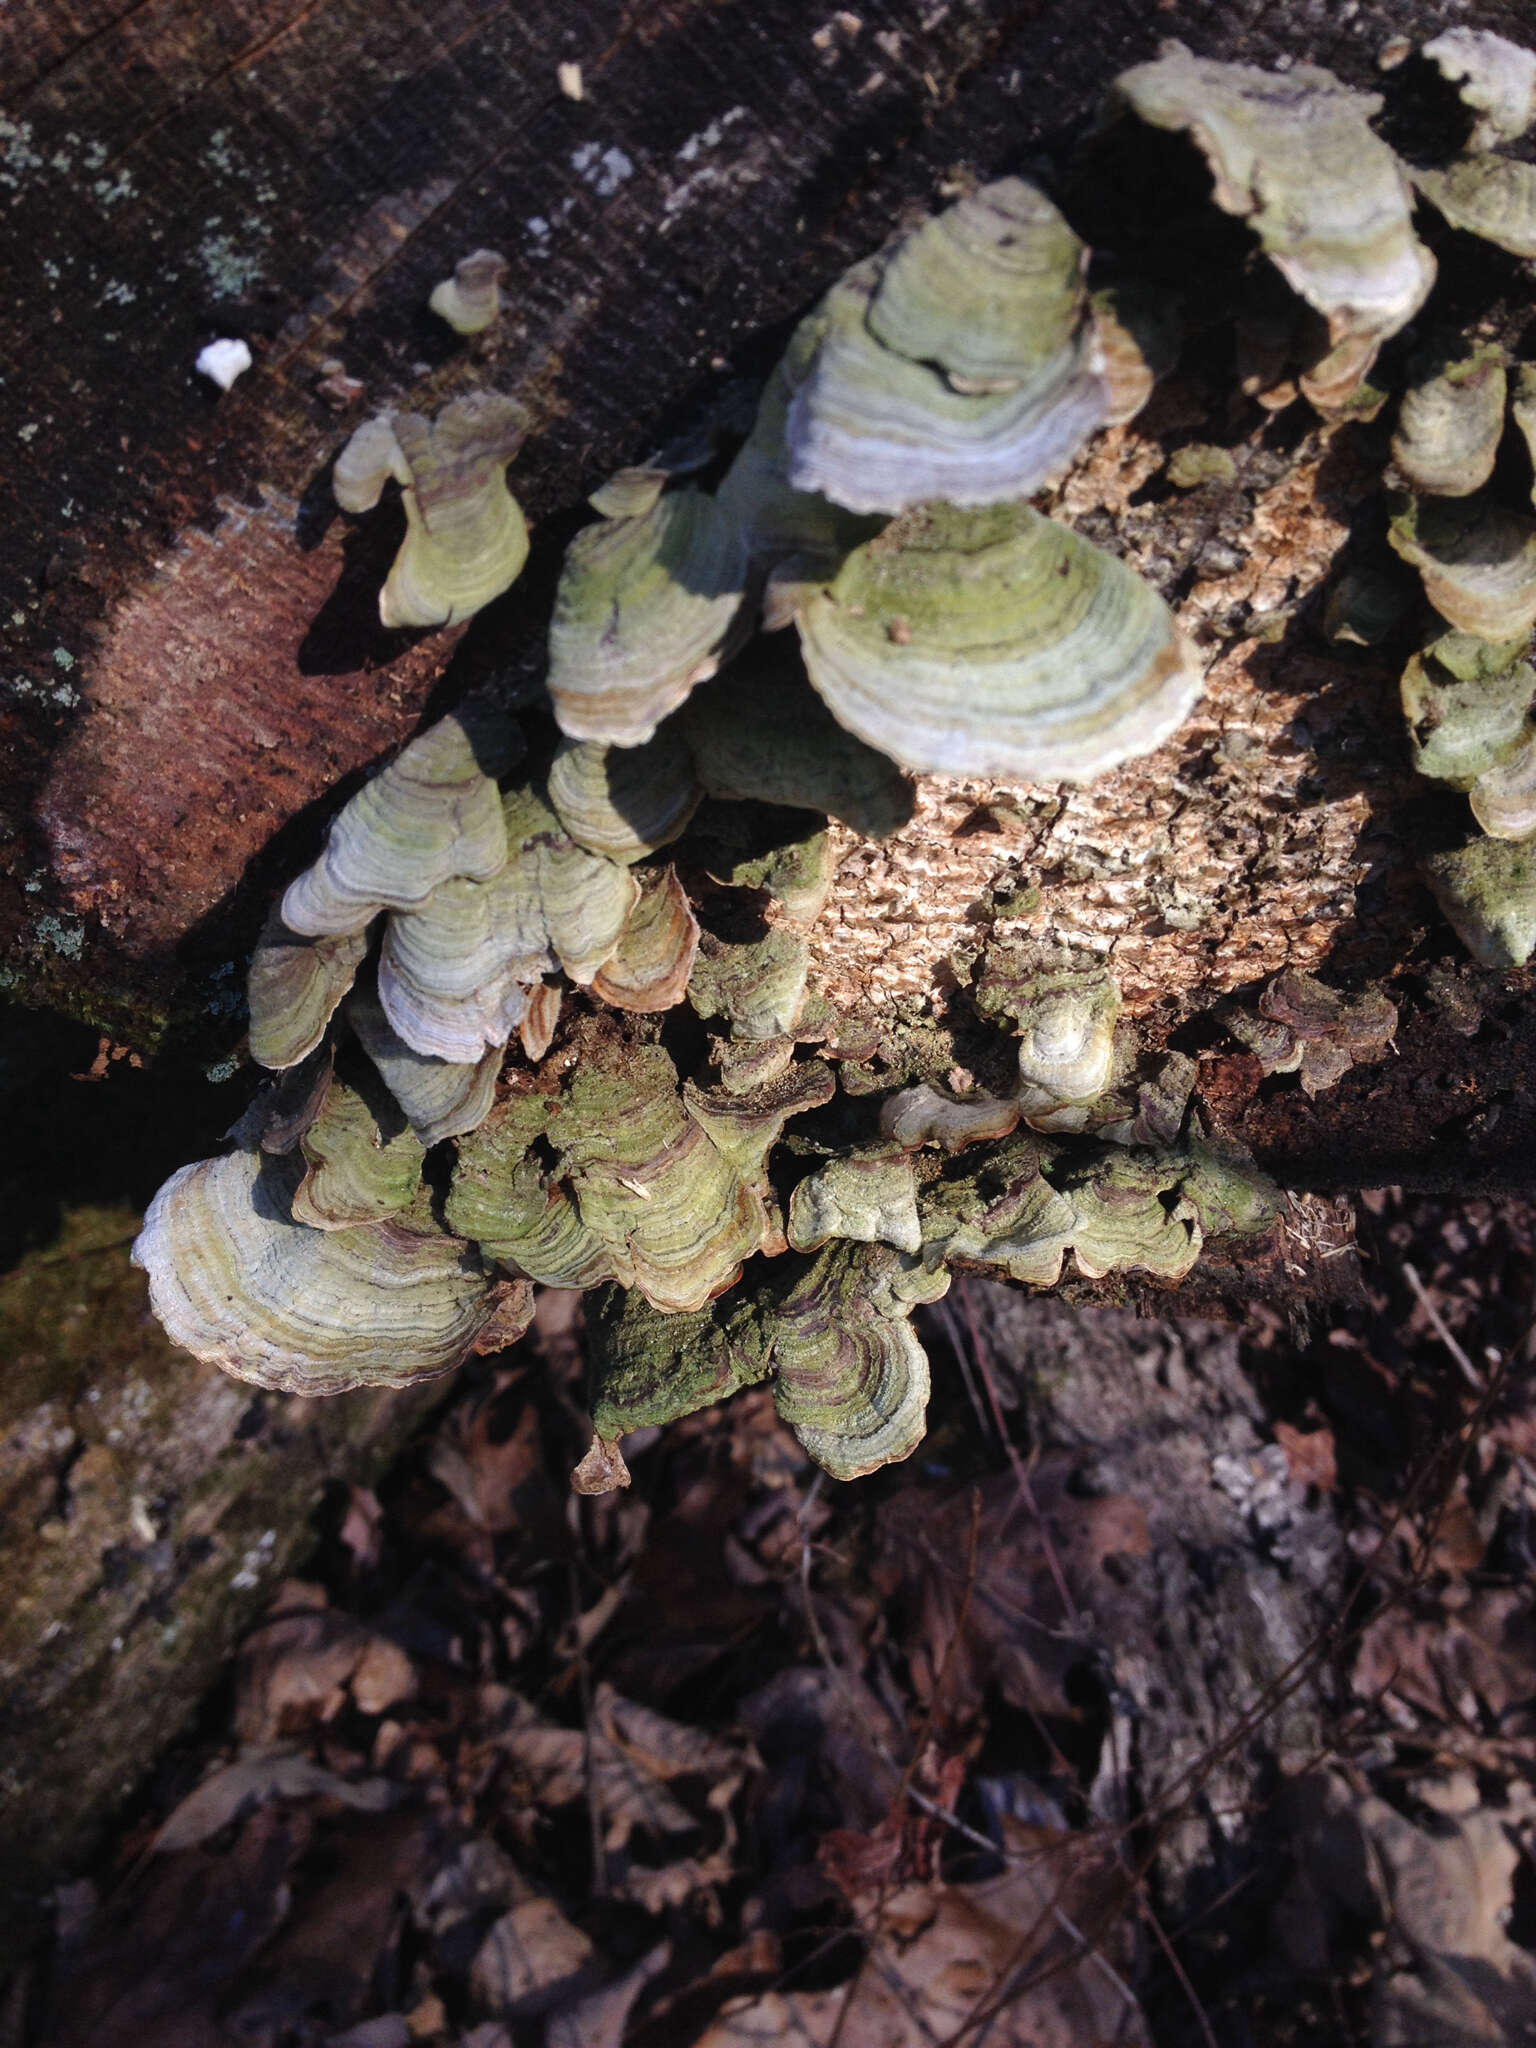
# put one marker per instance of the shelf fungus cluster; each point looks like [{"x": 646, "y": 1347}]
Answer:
[{"x": 544, "y": 1011}]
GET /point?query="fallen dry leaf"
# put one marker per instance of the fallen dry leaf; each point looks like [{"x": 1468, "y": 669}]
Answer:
[
  {"x": 1474, "y": 1662},
  {"x": 256, "y": 1779},
  {"x": 1001, "y": 1956},
  {"x": 531, "y": 1959},
  {"x": 1310, "y": 1455},
  {"x": 1446, "y": 1973},
  {"x": 295, "y": 1667}
]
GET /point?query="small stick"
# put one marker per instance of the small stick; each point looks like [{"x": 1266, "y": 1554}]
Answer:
[{"x": 1469, "y": 1371}]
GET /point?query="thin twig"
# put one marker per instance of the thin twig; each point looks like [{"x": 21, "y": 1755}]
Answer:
[{"x": 1469, "y": 1371}]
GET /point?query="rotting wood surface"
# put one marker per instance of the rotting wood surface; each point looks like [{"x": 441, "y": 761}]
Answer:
[{"x": 197, "y": 669}]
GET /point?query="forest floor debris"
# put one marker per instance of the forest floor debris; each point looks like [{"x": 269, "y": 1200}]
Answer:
[{"x": 739, "y": 1756}]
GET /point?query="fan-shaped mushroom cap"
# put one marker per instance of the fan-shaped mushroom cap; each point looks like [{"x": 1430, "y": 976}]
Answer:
[
  {"x": 869, "y": 1196},
  {"x": 453, "y": 975},
  {"x": 624, "y": 802},
  {"x": 466, "y": 539},
  {"x": 1466, "y": 704},
  {"x": 925, "y": 1115},
  {"x": 798, "y": 873},
  {"x": 1493, "y": 197},
  {"x": 877, "y": 431},
  {"x": 1292, "y": 153},
  {"x": 851, "y": 1379},
  {"x": 779, "y": 521},
  {"x": 1522, "y": 410},
  {"x": 1122, "y": 1222},
  {"x": 990, "y": 291},
  {"x": 364, "y": 1162},
  {"x": 1307, "y": 1028},
  {"x": 582, "y": 898},
  {"x": 649, "y": 1369},
  {"x": 440, "y": 1098},
  {"x": 629, "y": 493},
  {"x": 649, "y": 968},
  {"x": 997, "y": 643},
  {"x": 1488, "y": 893},
  {"x": 293, "y": 989},
  {"x": 1451, "y": 423},
  {"x": 1065, "y": 1017},
  {"x": 508, "y": 1203},
  {"x": 1503, "y": 797},
  {"x": 744, "y": 1125},
  {"x": 653, "y": 1202},
  {"x": 762, "y": 735},
  {"x": 1139, "y": 331},
  {"x": 644, "y": 610},
  {"x": 758, "y": 985},
  {"x": 240, "y": 1285},
  {"x": 1477, "y": 561},
  {"x": 1498, "y": 80},
  {"x": 432, "y": 813},
  {"x": 366, "y": 464},
  {"x": 1006, "y": 1214},
  {"x": 470, "y": 300},
  {"x": 677, "y": 1217}
]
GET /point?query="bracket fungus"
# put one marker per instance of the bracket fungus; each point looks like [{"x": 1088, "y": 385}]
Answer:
[
  {"x": 1315, "y": 1032},
  {"x": 961, "y": 364},
  {"x": 1466, "y": 702},
  {"x": 1065, "y": 1017},
  {"x": 1494, "y": 76},
  {"x": 466, "y": 539},
  {"x": 1477, "y": 561},
  {"x": 1292, "y": 152},
  {"x": 293, "y": 989},
  {"x": 470, "y": 300},
  {"x": 589, "y": 973},
  {"x": 645, "y": 610},
  {"x": 1488, "y": 893},
  {"x": 997, "y": 642},
  {"x": 238, "y": 1283},
  {"x": 433, "y": 813},
  {"x": 1450, "y": 425},
  {"x": 1492, "y": 197}
]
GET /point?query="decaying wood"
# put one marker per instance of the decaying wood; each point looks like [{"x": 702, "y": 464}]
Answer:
[{"x": 148, "y": 1506}]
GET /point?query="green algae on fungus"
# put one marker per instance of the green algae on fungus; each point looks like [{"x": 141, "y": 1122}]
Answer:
[
  {"x": 432, "y": 813},
  {"x": 997, "y": 643},
  {"x": 868, "y": 1196},
  {"x": 645, "y": 609},
  {"x": 1477, "y": 561},
  {"x": 1065, "y": 1015},
  {"x": 241, "y": 1285},
  {"x": 1292, "y": 153},
  {"x": 293, "y": 989},
  {"x": 470, "y": 300},
  {"x": 961, "y": 364},
  {"x": 624, "y": 802},
  {"x": 1488, "y": 893},
  {"x": 1466, "y": 703},
  {"x": 1451, "y": 422},
  {"x": 466, "y": 539},
  {"x": 1492, "y": 197}
]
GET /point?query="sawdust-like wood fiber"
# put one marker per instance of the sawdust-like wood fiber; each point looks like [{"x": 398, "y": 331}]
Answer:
[{"x": 1209, "y": 864}]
